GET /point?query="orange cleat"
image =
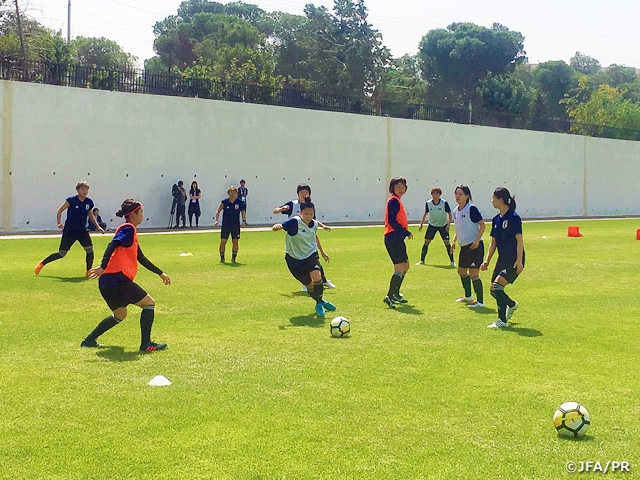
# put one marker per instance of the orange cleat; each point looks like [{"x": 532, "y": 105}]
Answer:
[{"x": 39, "y": 267}]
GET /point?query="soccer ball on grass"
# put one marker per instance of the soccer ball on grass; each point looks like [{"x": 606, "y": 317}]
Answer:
[
  {"x": 340, "y": 327},
  {"x": 571, "y": 420}
]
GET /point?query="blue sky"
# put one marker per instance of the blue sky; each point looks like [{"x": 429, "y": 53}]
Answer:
[{"x": 553, "y": 30}]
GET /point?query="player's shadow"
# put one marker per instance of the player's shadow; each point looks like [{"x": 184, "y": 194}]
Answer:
[
  {"x": 233, "y": 265},
  {"x": 523, "y": 332},
  {"x": 69, "y": 279},
  {"x": 117, "y": 354},
  {"x": 483, "y": 310},
  {"x": 311, "y": 320},
  {"x": 443, "y": 267},
  {"x": 408, "y": 309}
]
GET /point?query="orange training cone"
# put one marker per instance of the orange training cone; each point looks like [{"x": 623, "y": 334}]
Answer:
[
  {"x": 638, "y": 234},
  {"x": 574, "y": 231}
]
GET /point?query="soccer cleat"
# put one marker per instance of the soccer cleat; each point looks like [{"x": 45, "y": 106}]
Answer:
[
  {"x": 510, "y": 310},
  {"x": 453, "y": 264},
  {"x": 328, "y": 306},
  {"x": 399, "y": 298},
  {"x": 421, "y": 262},
  {"x": 329, "y": 284},
  {"x": 90, "y": 343},
  {"x": 152, "y": 347},
  {"x": 38, "y": 268},
  {"x": 222, "y": 260},
  {"x": 233, "y": 260},
  {"x": 498, "y": 324},
  {"x": 304, "y": 288},
  {"x": 320, "y": 309},
  {"x": 465, "y": 299},
  {"x": 389, "y": 302},
  {"x": 475, "y": 305}
]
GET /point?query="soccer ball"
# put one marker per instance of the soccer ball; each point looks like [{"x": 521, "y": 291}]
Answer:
[
  {"x": 340, "y": 327},
  {"x": 571, "y": 420}
]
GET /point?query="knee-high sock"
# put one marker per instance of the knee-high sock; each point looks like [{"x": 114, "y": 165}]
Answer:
[
  {"x": 394, "y": 284},
  {"x": 477, "y": 287},
  {"x": 466, "y": 284},
  {"x": 89, "y": 258},
  {"x": 106, "y": 324},
  {"x": 146, "y": 322},
  {"x": 425, "y": 250},
  {"x": 448, "y": 247},
  {"x": 502, "y": 299},
  {"x": 53, "y": 257},
  {"x": 316, "y": 292},
  {"x": 324, "y": 278}
]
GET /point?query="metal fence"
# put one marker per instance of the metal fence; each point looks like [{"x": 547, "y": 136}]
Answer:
[{"x": 142, "y": 81}]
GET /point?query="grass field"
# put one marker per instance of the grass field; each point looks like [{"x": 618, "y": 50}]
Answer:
[{"x": 261, "y": 391}]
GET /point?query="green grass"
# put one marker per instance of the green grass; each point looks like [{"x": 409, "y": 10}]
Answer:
[{"x": 261, "y": 391}]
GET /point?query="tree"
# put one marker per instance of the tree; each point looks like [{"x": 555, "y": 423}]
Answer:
[
  {"x": 403, "y": 82},
  {"x": 101, "y": 53},
  {"x": 456, "y": 59},
  {"x": 554, "y": 80},
  {"x": 504, "y": 94},
  {"x": 585, "y": 64}
]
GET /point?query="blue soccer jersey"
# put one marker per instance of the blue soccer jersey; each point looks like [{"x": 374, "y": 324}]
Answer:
[
  {"x": 504, "y": 230},
  {"x": 77, "y": 214},
  {"x": 231, "y": 212}
]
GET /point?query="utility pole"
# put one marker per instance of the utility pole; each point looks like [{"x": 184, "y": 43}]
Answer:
[
  {"x": 19, "y": 20},
  {"x": 69, "y": 23}
]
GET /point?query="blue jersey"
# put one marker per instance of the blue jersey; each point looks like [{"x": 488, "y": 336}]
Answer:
[
  {"x": 77, "y": 214},
  {"x": 504, "y": 230},
  {"x": 231, "y": 212}
]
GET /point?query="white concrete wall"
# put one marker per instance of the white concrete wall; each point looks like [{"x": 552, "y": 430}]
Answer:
[{"x": 129, "y": 145}]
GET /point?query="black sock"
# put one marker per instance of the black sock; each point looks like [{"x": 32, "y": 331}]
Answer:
[
  {"x": 316, "y": 292},
  {"x": 394, "y": 284},
  {"x": 146, "y": 322},
  {"x": 106, "y": 324},
  {"x": 425, "y": 249},
  {"x": 222, "y": 256},
  {"x": 503, "y": 300},
  {"x": 233, "y": 256},
  {"x": 448, "y": 247},
  {"x": 89, "y": 258},
  {"x": 52, "y": 258},
  {"x": 477, "y": 287},
  {"x": 324, "y": 278},
  {"x": 466, "y": 284}
]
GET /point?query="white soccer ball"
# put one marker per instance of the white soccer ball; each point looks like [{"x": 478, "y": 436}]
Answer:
[
  {"x": 571, "y": 420},
  {"x": 340, "y": 327}
]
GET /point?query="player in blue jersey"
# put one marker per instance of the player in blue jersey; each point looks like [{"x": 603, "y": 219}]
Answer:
[
  {"x": 79, "y": 208},
  {"x": 439, "y": 213},
  {"x": 469, "y": 230},
  {"x": 506, "y": 236},
  {"x": 291, "y": 208},
  {"x": 232, "y": 209},
  {"x": 302, "y": 253}
]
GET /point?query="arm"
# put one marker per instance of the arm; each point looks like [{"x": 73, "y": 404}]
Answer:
[
  {"x": 520, "y": 252},
  {"x": 492, "y": 249},
  {"x": 448, "y": 227},
  {"x": 62, "y": 208},
  {"x": 92, "y": 217},
  {"x": 424, "y": 217},
  {"x": 322, "y": 225},
  {"x": 476, "y": 242},
  {"x": 220, "y": 208},
  {"x": 453, "y": 242},
  {"x": 320, "y": 249},
  {"x": 146, "y": 263},
  {"x": 285, "y": 209},
  {"x": 394, "y": 208},
  {"x": 97, "y": 272}
]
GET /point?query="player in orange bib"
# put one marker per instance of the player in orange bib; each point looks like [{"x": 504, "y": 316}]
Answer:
[
  {"x": 117, "y": 272},
  {"x": 396, "y": 229}
]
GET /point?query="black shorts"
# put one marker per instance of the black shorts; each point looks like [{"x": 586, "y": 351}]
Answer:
[
  {"x": 505, "y": 271},
  {"x": 125, "y": 293},
  {"x": 234, "y": 231},
  {"x": 301, "y": 269},
  {"x": 69, "y": 238},
  {"x": 471, "y": 258},
  {"x": 397, "y": 251},
  {"x": 431, "y": 233}
]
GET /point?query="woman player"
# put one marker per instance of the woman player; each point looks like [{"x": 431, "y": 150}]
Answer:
[
  {"x": 396, "y": 229},
  {"x": 469, "y": 230},
  {"x": 506, "y": 236},
  {"x": 117, "y": 272}
]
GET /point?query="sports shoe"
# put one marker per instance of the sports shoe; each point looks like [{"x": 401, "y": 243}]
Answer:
[
  {"x": 510, "y": 310},
  {"x": 152, "y": 347},
  {"x": 38, "y": 268},
  {"x": 475, "y": 305},
  {"x": 320, "y": 309},
  {"x": 453, "y": 264},
  {"x": 420, "y": 263},
  {"x": 498, "y": 324},
  {"x": 304, "y": 288},
  {"x": 90, "y": 343},
  {"x": 329, "y": 284},
  {"x": 222, "y": 260},
  {"x": 399, "y": 298},
  {"x": 389, "y": 302},
  {"x": 328, "y": 306},
  {"x": 465, "y": 299}
]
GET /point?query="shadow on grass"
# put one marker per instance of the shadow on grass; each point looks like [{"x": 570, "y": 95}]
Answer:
[
  {"x": 69, "y": 279},
  {"x": 523, "y": 332},
  {"x": 443, "y": 267},
  {"x": 231, "y": 264},
  {"x": 311, "y": 320},
  {"x": 586, "y": 438},
  {"x": 484, "y": 310},
  {"x": 117, "y": 354},
  {"x": 408, "y": 309}
]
